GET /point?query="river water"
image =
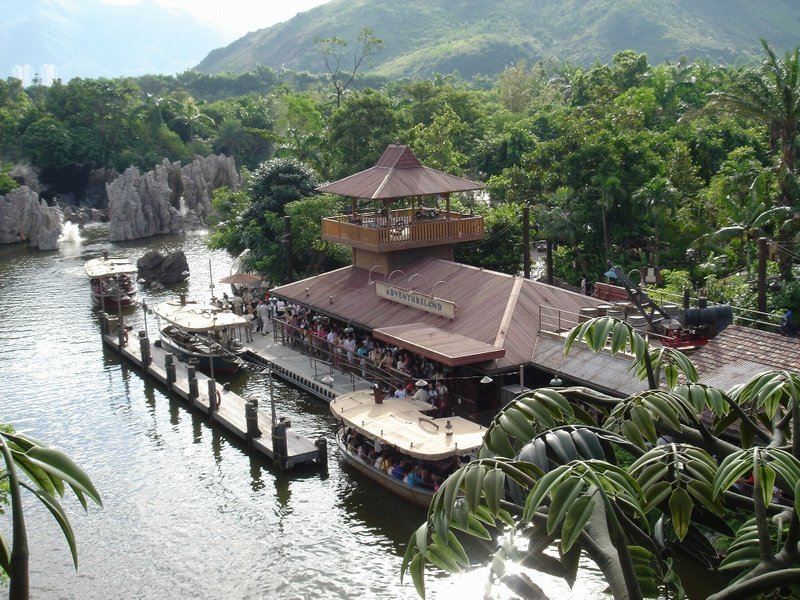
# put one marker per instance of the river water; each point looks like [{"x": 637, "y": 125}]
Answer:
[{"x": 187, "y": 513}]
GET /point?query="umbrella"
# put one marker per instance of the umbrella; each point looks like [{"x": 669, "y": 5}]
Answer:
[{"x": 241, "y": 279}]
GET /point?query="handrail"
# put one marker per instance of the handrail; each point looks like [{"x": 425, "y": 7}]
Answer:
[{"x": 428, "y": 420}]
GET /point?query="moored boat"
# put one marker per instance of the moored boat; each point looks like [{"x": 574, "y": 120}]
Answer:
[
  {"x": 112, "y": 281},
  {"x": 202, "y": 332},
  {"x": 395, "y": 444}
]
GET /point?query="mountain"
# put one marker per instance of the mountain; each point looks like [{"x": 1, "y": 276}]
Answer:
[
  {"x": 478, "y": 37},
  {"x": 90, "y": 38}
]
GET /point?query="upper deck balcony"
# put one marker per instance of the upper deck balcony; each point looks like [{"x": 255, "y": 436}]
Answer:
[{"x": 402, "y": 229}]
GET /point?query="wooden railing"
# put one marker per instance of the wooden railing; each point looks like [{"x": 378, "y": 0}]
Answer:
[{"x": 405, "y": 228}]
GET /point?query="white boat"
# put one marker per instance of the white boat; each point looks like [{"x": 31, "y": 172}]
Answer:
[
  {"x": 203, "y": 332},
  {"x": 400, "y": 429},
  {"x": 112, "y": 281}
]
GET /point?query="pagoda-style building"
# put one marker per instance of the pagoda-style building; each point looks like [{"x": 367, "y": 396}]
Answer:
[{"x": 384, "y": 237}]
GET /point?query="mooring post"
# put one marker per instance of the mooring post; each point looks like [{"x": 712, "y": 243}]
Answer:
[
  {"x": 251, "y": 416},
  {"x": 169, "y": 365},
  {"x": 103, "y": 323},
  {"x": 144, "y": 347},
  {"x": 322, "y": 453},
  {"x": 214, "y": 399},
  {"x": 191, "y": 374},
  {"x": 280, "y": 448},
  {"x": 121, "y": 333}
]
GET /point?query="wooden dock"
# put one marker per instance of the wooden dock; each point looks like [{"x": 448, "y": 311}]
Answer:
[{"x": 240, "y": 417}]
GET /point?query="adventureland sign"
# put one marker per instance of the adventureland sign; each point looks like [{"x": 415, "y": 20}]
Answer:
[{"x": 431, "y": 304}]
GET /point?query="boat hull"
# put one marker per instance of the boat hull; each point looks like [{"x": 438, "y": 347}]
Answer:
[
  {"x": 222, "y": 364},
  {"x": 419, "y": 496},
  {"x": 106, "y": 301}
]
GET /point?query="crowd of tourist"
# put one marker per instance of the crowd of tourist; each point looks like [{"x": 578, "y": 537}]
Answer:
[{"x": 344, "y": 347}]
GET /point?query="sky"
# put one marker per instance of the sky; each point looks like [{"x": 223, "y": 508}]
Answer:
[{"x": 234, "y": 18}]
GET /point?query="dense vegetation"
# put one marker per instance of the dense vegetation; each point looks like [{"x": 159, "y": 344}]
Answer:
[
  {"x": 628, "y": 162},
  {"x": 430, "y": 36},
  {"x": 635, "y": 484}
]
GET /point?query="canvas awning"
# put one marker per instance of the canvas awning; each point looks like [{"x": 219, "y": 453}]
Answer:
[
  {"x": 197, "y": 317},
  {"x": 402, "y": 424},
  {"x": 451, "y": 349}
]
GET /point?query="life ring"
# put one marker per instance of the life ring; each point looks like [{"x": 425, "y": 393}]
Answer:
[{"x": 218, "y": 400}]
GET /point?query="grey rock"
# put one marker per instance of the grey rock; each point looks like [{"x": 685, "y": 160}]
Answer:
[
  {"x": 168, "y": 199},
  {"x": 24, "y": 217},
  {"x": 155, "y": 268}
]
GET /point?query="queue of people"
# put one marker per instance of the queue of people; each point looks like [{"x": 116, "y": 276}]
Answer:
[{"x": 372, "y": 359}]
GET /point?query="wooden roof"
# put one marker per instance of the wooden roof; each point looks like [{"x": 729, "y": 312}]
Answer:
[
  {"x": 738, "y": 353},
  {"x": 451, "y": 349},
  {"x": 398, "y": 174},
  {"x": 493, "y": 309}
]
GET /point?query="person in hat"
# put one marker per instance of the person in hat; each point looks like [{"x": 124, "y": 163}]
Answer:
[{"x": 422, "y": 394}]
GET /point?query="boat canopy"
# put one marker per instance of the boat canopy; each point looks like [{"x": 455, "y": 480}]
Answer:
[
  {"x": 403, "y": 424},
  {"x": 191, "y": 316},
  {"x": 108, "y": 266}
]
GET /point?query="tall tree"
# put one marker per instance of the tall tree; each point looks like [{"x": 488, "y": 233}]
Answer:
[
  {"x": 771, "y": 96},
  {"x": 333, "y": 51}
]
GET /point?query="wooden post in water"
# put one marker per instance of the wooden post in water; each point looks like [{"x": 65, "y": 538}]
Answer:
[
  {"x": 280, "y": 448},
  {"x": 322, "y": 453},
  {"x": 213, "y": 398},
  {"x": 169, "y": 366},
  {"x": 103, "y": 323},
  {"x": 121, "y": 333},
  {"x": 251, "y": 416},
  {"x": 144, "y": 348},
  {"x": 194, "y": 393}
]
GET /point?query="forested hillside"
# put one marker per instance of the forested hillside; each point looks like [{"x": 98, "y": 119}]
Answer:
[
  {"x": 474, "y": 37},
  {"x": 630, "y": 161}
]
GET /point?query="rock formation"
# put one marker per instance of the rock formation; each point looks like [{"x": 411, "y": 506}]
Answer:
[
  {"x": 154, "y": 267},
  {"x": 24, "y": 217},
  {"x": 168, "y": 199}
]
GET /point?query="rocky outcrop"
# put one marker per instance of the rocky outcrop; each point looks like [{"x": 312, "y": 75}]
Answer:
[
  {"x": 168, "y": 199},
  {"x": 24, "y": 217},
  {"x": 154, "y": 267},
  {"x": 138, "y": 206}
]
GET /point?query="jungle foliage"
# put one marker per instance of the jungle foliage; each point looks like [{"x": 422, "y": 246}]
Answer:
[
  {"x": 628, "y": 162},
  {"x": 548, "y": 477}
]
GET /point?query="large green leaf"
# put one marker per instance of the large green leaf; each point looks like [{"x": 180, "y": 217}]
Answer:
[
  {"x": 577, "y": 517},
  {"x": 59, "y": 464},
  {"x": 563, "y": 496},
  {"x": 680, "y": 508}
]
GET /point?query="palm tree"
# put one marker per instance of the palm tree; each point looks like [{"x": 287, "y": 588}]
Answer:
[
  {"x": 47, "y": 471},
  {"x": 609, "y": 188},
  {"x": 547, "y": 474},
  {"x": 771, "y": 96}
]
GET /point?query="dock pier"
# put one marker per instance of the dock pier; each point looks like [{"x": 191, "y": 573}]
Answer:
[{"x": 277, "y": 441}]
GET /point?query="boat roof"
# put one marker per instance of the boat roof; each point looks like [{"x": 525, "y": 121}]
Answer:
[
  {"x": 107, "y": 266},
  {"x": 403, "y": 424},
  {"x": 192, "y": 316}
]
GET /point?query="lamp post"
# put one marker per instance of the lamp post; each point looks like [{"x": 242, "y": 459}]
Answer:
[{"x": 691, "y": 256}]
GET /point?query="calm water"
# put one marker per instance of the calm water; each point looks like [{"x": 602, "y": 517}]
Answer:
[{"x": 187, "y": 513}]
